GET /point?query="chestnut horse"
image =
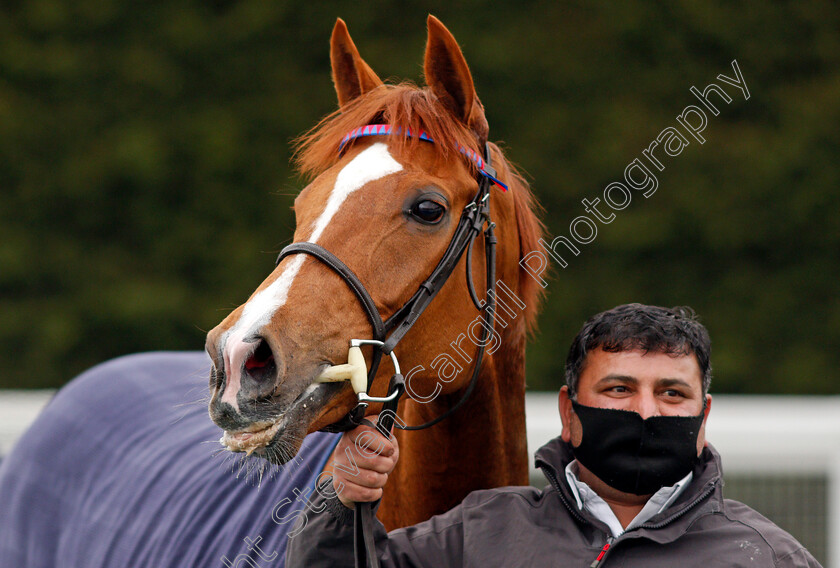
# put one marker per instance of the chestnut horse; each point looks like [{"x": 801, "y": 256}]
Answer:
[
  {"x": 118, "y": 470},
  {"x": 388, "y": 207}
]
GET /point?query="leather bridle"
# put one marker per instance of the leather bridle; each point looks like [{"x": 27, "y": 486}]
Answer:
[
  {"x": 388, "y": 333},
  {"x": 474, "y": 217}
]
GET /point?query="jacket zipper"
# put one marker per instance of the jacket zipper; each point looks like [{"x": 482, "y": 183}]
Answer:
[{"x": 597, "y": 561}]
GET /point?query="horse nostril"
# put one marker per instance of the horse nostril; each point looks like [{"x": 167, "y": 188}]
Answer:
[
  {"x": 217, "y": 378},
  {"x": 260, "y": 365}
]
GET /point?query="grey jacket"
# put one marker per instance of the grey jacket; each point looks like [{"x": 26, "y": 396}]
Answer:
[{"x": 523, "y": 526}]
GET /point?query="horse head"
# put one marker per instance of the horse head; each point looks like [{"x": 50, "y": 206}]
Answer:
[{"x": 387, "y": 206}]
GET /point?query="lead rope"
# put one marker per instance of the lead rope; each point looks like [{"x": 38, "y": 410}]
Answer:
[{"x": 364, "y": 546}]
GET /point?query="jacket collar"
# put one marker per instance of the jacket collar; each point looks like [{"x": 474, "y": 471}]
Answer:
[{"x": 703, "y": 494}]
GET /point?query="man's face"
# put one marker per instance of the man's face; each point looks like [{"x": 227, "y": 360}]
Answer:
[{"x": 651, "y": 384}]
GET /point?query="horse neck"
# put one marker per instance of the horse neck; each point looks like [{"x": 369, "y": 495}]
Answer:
[{"x": 482, "y": 445}]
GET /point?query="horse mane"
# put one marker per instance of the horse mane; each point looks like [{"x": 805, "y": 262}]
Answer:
[
  {"x": 531, "y": 230},
  {"x": 407, "y": 106}
]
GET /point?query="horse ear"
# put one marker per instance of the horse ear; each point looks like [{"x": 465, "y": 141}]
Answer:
[
  {"x": 449, "y": 77},
  {"x": 351, "y": 75}
]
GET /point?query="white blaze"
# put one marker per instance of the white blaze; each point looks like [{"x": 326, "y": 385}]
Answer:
[{"x": 371, "y": 164}]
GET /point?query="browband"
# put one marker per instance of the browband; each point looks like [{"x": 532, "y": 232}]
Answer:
[{"x": 385, "y": 129}]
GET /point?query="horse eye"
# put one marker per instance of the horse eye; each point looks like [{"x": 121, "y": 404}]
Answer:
[{"x": 428, "y": 211}]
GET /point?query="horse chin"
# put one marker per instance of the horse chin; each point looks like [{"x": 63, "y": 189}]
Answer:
[{"x": 278, "y": 440}]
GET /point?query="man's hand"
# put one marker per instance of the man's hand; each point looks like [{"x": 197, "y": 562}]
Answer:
[{"x": 375, "y": 457}]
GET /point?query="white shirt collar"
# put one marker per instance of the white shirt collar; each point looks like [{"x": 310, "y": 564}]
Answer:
[{"x": 590, "y": 501}]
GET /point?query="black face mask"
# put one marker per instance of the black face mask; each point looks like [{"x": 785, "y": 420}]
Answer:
[{"x": 636, "y": 455}]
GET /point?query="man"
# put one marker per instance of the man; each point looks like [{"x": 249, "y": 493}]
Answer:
[{"x": 633, "y": 482}]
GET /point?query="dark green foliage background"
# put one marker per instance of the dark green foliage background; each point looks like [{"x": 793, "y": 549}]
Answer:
[{"x": 144, "y": 166}]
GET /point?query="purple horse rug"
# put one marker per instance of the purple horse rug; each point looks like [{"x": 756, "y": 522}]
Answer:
[{"x": 123, "y": 469}]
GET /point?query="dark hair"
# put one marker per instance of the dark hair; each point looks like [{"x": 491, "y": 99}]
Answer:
[{"x": 673, "y": 331}]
